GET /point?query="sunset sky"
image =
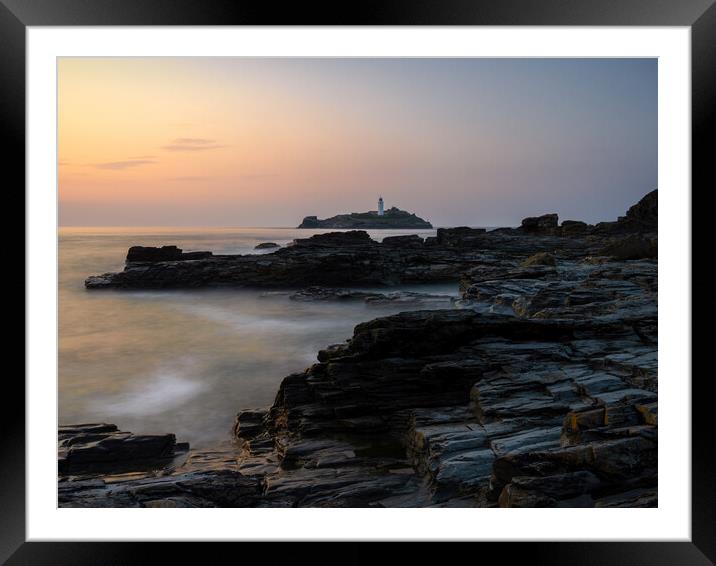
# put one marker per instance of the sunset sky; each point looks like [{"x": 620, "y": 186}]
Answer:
[{"x": 265, "y": 142}]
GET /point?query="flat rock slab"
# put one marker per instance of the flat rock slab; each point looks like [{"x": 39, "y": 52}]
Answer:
[{"x": 85, "y": 449}]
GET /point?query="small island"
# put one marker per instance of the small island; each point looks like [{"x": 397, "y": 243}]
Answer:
[{"x": 393, "y": 218}]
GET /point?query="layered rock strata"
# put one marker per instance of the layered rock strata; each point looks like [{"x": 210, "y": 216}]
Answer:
[{"x": 540, "y": 391}]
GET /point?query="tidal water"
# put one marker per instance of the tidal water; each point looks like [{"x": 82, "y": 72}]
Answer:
[{"x": 186, "y": 361}]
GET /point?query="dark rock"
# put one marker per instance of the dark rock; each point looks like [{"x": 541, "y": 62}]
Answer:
[
  {"x": 409, "y": 241},
  {"x": 178, "y": 488},
  {"x": 266, "y": 246},
  {"x": 641, "y": 218},
  {"x": 632, "y": 498},
  {"x": 460, "y": 237},
  {"x": 92, "y": 447},
  {"x": 571, "y": 228},
  {"x": 545, "y": 224},
  {"x": 631, "y": 247},
  {"x": 606, "y": 228},
  {"x": 249, "y": 423},
  {"x": 338, "y": 239},
  {"x": 332, "y": 259},
  {"x": 546, "y": 491},
  {"x": 165, "y": 253},
  {"x": 644, "y": 215},
  {"x": 408, "y": 333}
]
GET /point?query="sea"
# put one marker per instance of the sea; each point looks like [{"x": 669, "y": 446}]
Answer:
[{"x": 186, "y": 362}]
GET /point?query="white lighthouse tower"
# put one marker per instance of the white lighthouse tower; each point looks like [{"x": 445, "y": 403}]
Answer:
[{"x": 380, "y": 206}]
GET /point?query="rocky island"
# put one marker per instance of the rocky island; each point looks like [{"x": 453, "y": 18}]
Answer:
[
  {"x": 393, "y": 218},
  {"x": 538, "y": 387}
]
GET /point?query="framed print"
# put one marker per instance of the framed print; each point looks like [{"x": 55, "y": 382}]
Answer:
[{"x": 292, "y": 277}]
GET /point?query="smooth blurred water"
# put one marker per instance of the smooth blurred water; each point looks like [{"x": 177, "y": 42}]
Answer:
[{"x": 185, "y": 361}]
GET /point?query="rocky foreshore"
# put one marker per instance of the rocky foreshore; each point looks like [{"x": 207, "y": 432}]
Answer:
[
  {"x": 354, "y": 259},
  {"x": 537, "y": 388}
]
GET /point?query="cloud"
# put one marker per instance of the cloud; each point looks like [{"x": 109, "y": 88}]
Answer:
[
  {"x": 192, "y": 144},
  {"x": 122, "y": 165}
]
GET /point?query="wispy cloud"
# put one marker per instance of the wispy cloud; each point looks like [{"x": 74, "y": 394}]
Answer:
[
  {"x": 192, "y": 144},
  {"x": 122, "y": 165}
]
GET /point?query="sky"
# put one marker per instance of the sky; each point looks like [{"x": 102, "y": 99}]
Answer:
[{"x": 232, "y": 141}]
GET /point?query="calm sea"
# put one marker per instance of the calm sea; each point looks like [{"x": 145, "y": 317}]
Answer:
[{"x": 185, "y": 361}]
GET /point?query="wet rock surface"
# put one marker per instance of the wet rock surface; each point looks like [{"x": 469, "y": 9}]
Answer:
[{"x": 537, "y": 388}]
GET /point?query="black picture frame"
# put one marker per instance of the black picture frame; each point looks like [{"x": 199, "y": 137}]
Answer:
[{"x": 699, "y": 15}]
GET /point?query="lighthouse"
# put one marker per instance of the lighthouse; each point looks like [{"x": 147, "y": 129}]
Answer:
[{"x": 380, "y": 206}]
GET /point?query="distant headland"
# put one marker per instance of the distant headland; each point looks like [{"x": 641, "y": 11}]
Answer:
[{"x": 393, "y": 218}]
